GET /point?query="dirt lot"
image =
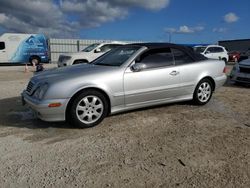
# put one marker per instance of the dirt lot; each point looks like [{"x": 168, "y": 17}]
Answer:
[{"x": 178, "y": 145}]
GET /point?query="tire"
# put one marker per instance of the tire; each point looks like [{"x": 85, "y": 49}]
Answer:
[
  {"x": 203, "y": 92},
  {"x": 225, "y": 60},
  {"x": 35, "y": 60},
  {"x": 88, "y": 109}
]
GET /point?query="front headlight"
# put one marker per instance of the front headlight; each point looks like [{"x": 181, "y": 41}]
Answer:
[{"x": 41, "y": 90}]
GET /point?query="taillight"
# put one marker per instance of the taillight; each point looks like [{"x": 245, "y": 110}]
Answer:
[{"x": 225, "y": 70}]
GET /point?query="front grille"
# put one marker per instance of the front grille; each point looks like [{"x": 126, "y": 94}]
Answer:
[
  {"x": 245, "y": 70},
  {"x": 243, "y": 79},
  {"x": 29, "y": 87}
]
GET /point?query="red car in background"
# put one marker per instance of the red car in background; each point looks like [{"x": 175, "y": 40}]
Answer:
[{"x": 234, "y": 56}]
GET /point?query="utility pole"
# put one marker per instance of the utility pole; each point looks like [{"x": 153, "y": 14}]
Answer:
[{"x": 170, "y": 36}]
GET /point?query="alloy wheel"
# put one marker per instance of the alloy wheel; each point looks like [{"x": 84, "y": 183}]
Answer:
[{"x": 89, "y": 109}]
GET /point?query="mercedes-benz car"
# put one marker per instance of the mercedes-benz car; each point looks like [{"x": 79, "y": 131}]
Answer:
[
  {"x": 128, "y": 77},
  {"x": 241, "y": 72}
]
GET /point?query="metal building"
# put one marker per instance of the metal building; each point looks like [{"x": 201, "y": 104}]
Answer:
[{"x": 242, "y": 45}]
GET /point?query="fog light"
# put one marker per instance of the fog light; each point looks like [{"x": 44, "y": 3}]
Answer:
[{"x": 53, "y": 105}]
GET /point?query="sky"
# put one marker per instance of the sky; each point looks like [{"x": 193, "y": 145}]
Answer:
[{"x": 177, "y": 21}]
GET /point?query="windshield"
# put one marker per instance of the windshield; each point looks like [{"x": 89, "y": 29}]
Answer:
[
  {"x": 199, "y": 49},
  {"x": 117, "y": 56},
  {"x": 90, "y": 47}
]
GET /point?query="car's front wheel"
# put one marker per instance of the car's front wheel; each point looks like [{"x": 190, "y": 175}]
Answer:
[
  {"x": 203, "y": 92},
  {"x": 88, "y": 109}
]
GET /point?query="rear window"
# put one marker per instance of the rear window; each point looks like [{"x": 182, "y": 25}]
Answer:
[{"x": 2, "y": 45}]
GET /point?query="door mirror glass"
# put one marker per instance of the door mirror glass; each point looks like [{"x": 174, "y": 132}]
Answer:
[
  {"x": 207, "y": 52},
  {"x": 137, "y": 67}
]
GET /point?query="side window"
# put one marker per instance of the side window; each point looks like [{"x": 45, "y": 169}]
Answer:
[
  {"x": 2, "y": 45},
  {"x": 218, "y": 49},
  {"x": 181, "y": 57},
  {"x": 157, "y": 58},
  {"x": 210, "y": 49},
  {"x": 105, "y": 48}
]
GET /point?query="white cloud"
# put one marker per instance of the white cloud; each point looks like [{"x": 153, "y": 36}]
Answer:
[
  {"x": 185, "y": 29},
  {"x": 55, "y": 19},
  {"x": 231, "y": 17},
  {"x": 220, "y": 30},
  {"x": 93, "y": 13}
]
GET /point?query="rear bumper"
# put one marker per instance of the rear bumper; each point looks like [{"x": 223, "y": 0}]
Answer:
[
  {"x": 41, "y": 109},
  {"x": 220, "y": 81}
]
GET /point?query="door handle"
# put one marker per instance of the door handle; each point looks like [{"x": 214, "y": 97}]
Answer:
[{"x": 174, "y": 73}]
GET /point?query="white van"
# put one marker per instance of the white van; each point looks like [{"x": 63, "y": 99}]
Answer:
[{"x": 23, "y": 48}]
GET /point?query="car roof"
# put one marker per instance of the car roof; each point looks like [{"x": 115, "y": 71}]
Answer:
[
  {"x": 188, "y": 50},
  {"x": 113, "y": 42},
  {"x": 158, "y": 45},
  {"x": 211, "y": 45}
]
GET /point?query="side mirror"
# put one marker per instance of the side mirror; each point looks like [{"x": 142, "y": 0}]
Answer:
[
  {"x": 137, "y": 67},
  {"x": 97, "y": 50},
  {"x": 207, "y": 52}
]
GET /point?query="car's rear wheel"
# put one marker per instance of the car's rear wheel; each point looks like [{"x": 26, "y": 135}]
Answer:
[
  {"x": 203, "y": 92},
  {"x": 34, "y": 60},
  {"x": 225, "y": 60},
  {"x": 88, "y": 109}
]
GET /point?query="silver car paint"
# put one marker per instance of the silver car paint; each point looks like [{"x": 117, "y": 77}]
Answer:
[
  {"x": 236, "y": 73},
  {"x": 126, "y": 89}
]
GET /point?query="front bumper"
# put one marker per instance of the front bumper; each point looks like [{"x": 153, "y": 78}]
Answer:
[
  {"x": 240, "y": 77},
  {"x": 41, "y": 109}
]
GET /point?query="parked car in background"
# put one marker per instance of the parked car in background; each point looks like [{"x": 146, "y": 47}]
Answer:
[
  {"x": 241, "y": 72},
  {"x": 23, "y": 48},
  {"x": 88, "y": 54},
  {"x": 128, "y": 77},
  {"x": 213, "y": 52},
  {"x": 234, "y": 56}
]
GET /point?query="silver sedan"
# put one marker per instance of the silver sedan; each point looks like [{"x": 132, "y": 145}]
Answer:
[
  {"x": 129, "y": 77},
  {"x": 241, "y": 72}
]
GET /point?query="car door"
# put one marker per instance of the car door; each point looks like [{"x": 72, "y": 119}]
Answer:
[
  {"x": 3, "y": 53},
  {"x": 220, "y": 53},
  {"x": 210, "y": 53},
  {"x": 158, "y": 80},
  {"x": 189, "y": 71}
]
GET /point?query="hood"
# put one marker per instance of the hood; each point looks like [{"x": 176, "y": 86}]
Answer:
[
  {"x": 70, "y": 72},
  {"x": 78, "y": 53},
  {"x": 245, "y": 62}
]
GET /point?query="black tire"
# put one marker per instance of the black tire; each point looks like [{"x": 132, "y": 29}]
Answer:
[
  {"x": 36, "y": 60},
  {"x": 198, "y": 94},
  {"x": 225, "y": 60},
  {"x": 74, "y": 114}
]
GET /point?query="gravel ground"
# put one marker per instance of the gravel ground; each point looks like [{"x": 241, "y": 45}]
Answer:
[{"x": 177, "y": 145}]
